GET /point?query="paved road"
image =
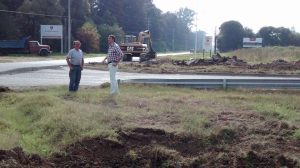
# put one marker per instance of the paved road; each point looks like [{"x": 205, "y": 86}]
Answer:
[
  {"x": 24, "y": 66},
  {"x": 56, "y": 73}
]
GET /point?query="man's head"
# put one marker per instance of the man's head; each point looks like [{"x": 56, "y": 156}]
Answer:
[
  {"x": 77, "y": 44},
  {"x": 111, "y": 38}
]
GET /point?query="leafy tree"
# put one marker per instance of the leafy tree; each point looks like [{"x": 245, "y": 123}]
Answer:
[
  {"x": 269, "y": 35},
  {"x": 230, "y": 36},
  {"x": 186, "y": 16},
  {"x": 30, "y": 24},
  {"x": 8, "y": 24},
  {"x": 184, "y": 24},
  {"x": 100, "y": 14},
  {"x": 106, "y": 30},
  {"x": 248, "y": 32},
  {"x": 89, "y": 37},
  {"x": 171, "y": 31},
  {"x": 154, "y": 22},
  {"x": 80, "y": 13},
  {"x": 12, "y": 5}
]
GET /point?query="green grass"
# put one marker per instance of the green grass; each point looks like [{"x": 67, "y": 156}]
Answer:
[
  {"x": 266, "y": 54},
  {"x": 297, "y": 134},
  {"x": 252, "y": 55},
  {"x": 45, "y": 120}
]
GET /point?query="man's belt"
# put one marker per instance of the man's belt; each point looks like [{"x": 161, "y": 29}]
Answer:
[{"x": 111, "y": 62}]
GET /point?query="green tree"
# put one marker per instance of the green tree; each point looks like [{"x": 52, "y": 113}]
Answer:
[
  {"x": 106, "y": 30},
  {"x": 154, "y": 22},
  {"x": 89, "y": 37},
  {"x": 8, "y": 25},
  {"x": 12, "y": 5},
  {"x": 30, "y": 24},
  {"x": 171, "y": 32},
  {"x": 186, "y": 16},
  {"x": 248, "y": 32},
  {"x": 80, "y": 13},
  {"x": 269, "y": 35},
  {"x": 101, "y": 13},
  {"x": 230, "y": 36},
  {"x": 277, "y": 36}
]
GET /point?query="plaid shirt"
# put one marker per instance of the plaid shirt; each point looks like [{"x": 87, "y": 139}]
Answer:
[{"x": 114, "y": 53}]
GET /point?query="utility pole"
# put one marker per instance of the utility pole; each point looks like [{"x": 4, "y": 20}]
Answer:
[
  {"x": 215, "y": 47},
  {"x": 173, "y": 33},
  {"x": 69, "y": 24},
  {"x": 196, "y": 36}
]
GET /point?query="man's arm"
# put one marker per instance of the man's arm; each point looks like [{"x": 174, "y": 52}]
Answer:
[
  {"x": 69, "y": 62},
  {"x": 104, "y": 60},
  {"x": 119, "y": 53},
  {"x": 82, "y": 63}
]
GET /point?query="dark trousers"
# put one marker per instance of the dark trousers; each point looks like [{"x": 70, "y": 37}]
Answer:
[{"x": 75, "y": 76}]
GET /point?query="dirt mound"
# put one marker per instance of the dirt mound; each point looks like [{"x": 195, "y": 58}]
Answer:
[
  {"x": 278, "y": 65},
  {"x": 144, "y": 147},
  {"x": 215, "y": 60},
  {"x": 4, "y": 89},
  {"x": 16, "y": 158},
  {"x": 155, "y": 148}
]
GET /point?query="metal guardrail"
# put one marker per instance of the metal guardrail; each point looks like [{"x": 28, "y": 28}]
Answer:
[{"x": 223, "y": 83}]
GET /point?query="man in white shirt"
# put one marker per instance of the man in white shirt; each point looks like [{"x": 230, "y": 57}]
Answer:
[{"x": 75, "y": 62}]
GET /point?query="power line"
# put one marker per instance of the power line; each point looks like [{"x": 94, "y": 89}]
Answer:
[{"x": 35, "y": 14}]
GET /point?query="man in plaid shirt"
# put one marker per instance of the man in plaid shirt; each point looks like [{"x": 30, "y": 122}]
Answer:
[{"x": 114, "y": 56}]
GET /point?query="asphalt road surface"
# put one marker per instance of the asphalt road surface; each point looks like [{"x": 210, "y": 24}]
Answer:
[{"x": 49, "y": 73}]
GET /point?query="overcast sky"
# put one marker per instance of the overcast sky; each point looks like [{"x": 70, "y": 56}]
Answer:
[{"x": 253, "y": 14}]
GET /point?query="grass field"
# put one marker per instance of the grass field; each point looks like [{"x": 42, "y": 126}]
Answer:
[
  {"x": 157, "y": 125},
  {"x": 45, "y": 120},
  {"x": 252, "y": 55}
]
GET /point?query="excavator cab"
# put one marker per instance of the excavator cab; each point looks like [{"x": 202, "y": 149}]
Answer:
[
  {"x": 140, "y": 47},
  {"x": 130, "y": 39}
]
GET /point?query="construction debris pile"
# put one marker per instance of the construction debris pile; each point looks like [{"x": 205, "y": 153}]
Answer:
[
  {"x": 278, "y": 65},
  {"x": 234, "y": 61},
  {"x": 215, "y": 60}
]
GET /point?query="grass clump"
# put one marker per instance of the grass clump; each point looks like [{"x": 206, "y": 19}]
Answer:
[{"x": 297, "y": 134}]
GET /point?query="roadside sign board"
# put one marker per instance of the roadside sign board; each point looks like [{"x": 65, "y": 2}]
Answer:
[
  {"x": 51, "y": 31},
  {"x": 208, "y": 43},
  {"x": 252, "y": 42}
]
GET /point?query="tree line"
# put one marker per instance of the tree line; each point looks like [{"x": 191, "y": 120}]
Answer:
[
  {"x": 93, "y": 20},
  {"x": 231, "y": 36}
]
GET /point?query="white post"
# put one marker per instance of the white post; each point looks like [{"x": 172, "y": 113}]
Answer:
[
  {"x": 62, "y": 45},
  {"x": 69, "y": 24},
  {"x": 196, "y": 37}
]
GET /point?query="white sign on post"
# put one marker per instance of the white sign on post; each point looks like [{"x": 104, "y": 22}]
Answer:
[
  {"x": 52, "y": 32},
  {"x": 208, "y": 43},
  {"x": 252, "y": 42}
]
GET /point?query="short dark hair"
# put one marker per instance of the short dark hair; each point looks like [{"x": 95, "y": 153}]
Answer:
[{"x": 113, "y": 37}]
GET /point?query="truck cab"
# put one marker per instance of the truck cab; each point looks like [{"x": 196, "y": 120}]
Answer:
[{"x": 36, "y": 47}]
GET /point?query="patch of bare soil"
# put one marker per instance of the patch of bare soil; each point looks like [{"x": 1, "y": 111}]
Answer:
[
  {"x": 237, "y": 140},
  {"x": 216, "y": 64},
  {"x": 4, "y": 89}
]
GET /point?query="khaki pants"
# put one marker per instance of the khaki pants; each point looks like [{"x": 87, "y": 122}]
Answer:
[{"x": 114, "y": 88}]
